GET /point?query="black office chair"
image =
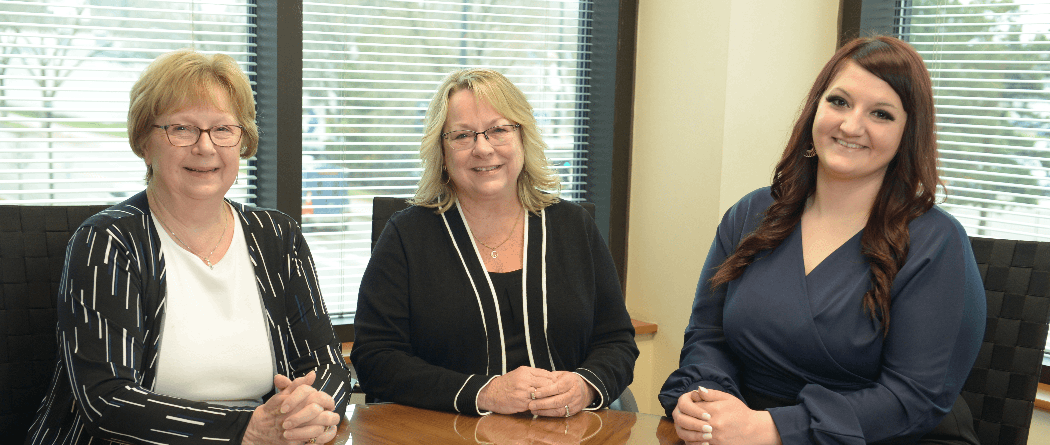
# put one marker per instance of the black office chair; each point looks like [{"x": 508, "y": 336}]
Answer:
[
  {"x": 383, "y": 207},
  {"x": 1002, "y": 385},
  {"x": 32, "y": 252}
]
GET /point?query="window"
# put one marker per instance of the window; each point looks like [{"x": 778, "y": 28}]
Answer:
[
  {"x": 990, "y": 65},
  {"x": 66, "y": 68},
  {"x": 370, "y": 68}
]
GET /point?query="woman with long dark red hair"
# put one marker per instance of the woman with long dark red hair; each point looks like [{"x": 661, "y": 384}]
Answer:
[{"x": 838, "y": 305}]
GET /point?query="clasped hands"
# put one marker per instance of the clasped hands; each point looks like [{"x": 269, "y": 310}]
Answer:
[
  {"x": 541, "y": 392},
  {"x": 710, "y": 417},
  {"x": 298, "y": 414}
]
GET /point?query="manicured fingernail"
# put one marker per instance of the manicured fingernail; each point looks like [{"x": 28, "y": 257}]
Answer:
[
  {"x": 705, "y": 416},
  {"x": 707, "y": 428},
  {"x": 707, "y": 436},
  {"x": 701, "y": 389}
]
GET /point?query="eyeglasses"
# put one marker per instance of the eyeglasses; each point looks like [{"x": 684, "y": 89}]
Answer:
[
  {"x": 185, "y": 135},
  {"x": 465, "y": 139}
]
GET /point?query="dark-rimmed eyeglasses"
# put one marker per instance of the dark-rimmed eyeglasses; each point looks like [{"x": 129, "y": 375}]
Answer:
[
  {"x": 181, "y": 135},
  {"x": 465, "y": 139}
]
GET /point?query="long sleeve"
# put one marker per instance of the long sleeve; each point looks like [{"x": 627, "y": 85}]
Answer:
[
  {"x": 103, "y": 335},
  {"x": 384, "y": 356},
  {"x": 936, "y": 325},
  {"x": 311, "y": 343},
  {"x": 609, "y": 363},
  {"x": 706, "y": 359}
]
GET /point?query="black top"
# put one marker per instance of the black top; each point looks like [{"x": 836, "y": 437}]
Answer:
[
  {"x": 508, "y": 291},
  {"x": 430, "y": 333}
]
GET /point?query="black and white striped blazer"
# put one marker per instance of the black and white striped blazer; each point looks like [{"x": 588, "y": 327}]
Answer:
[{"x": 110, "y": 313}]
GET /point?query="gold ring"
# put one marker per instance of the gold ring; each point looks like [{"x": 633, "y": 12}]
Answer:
[
  {"x": 312, "y": 440},
  {"x": 566, "y": 410},
  {"x": 532, "y": 395}
]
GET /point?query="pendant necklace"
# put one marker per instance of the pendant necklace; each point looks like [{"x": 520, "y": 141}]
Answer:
[
  {"x": 206, "y": 259},
  {"x": 493, "y": 249}
]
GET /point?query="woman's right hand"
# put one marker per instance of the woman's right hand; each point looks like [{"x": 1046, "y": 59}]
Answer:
[
  {"x": 690, "y": 419},
  {"x": 512, "y": 392},
  {"x": 295, "y": 415}
]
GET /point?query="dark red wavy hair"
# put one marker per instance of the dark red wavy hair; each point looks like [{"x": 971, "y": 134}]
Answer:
[{"x": 908, "y": 189}]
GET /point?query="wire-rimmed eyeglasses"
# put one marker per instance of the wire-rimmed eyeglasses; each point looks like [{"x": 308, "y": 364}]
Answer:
[
  {"x": 465, "y": 139},
  {"x": 181, "y": 135}
]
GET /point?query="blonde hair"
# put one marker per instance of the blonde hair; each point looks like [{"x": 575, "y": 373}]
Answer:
[
  {"x": 538, "y": 185},
  {"x": 184, "y": 77}
]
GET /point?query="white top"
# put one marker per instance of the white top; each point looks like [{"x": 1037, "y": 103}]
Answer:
[{"x": 214, "y": 345}]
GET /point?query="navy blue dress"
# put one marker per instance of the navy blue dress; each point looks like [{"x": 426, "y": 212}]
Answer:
[{"x": 779, "y": 332}]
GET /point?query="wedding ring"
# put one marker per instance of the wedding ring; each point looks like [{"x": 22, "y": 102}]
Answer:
[
  {"x": 566, "y": 410},
  {"x": 532, "y": 395},
  {"x": 312, "y": 440}
]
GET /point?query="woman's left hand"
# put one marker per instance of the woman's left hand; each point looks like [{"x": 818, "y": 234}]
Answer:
[
  {"x": 732, "y": 422},
  {"x": 568, "y": 394}
]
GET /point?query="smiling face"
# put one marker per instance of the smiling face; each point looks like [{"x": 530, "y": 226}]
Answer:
[
  {"x": 858, "y": 126},
  {"x": 202, "y": 170},
  {"x": 483, "y": 172}
]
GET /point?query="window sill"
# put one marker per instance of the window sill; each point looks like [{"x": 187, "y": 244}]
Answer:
[
  {"x": 1042, "y": 397},
  {"x": 640, "y": 328}
]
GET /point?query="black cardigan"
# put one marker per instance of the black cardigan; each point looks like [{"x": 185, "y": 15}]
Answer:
[
  {"x": 110, "y": 313},
  {"x": 427, "y": 331}
]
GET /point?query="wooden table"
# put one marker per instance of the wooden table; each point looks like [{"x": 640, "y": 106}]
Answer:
[{"x": 398, "y": 424}]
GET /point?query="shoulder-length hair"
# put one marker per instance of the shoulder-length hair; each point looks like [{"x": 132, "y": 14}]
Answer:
[
  {"x": 538, "y": 185},
  {"x": 908, "y": 189},
  {"x": 186, "y": 77}
]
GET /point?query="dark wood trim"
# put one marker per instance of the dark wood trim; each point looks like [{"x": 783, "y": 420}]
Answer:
[
  {"x": 279, "y": 97},
  {"x": 849, "y": 20},
  {"x": 623, "y": 127}
]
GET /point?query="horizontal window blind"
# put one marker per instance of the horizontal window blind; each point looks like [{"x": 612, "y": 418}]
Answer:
[
  {"x": 370, "y": 68},
  {"x": 66, "y": 68},
  {"x": 990, "y": 66}
]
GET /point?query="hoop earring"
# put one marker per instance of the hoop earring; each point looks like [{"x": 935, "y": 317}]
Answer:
[
  {"x": 810, "y": 153},
  {"x": 447, "y": 176}
]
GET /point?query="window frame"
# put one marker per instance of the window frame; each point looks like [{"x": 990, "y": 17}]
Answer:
[{"x": 279, "y": 88}]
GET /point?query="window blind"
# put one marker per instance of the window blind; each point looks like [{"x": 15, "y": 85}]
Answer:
[
  {"x": 66, "y": 68},
  {"x": 990, "y": 66},
  {"x": 370, "y": 68}
]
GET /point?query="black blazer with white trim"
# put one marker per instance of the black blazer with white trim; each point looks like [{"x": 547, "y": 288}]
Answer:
[{"x": 428, "y": 331}]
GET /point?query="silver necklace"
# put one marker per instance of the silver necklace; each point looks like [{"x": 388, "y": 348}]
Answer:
[
  {"x": 206, "y": 259},
  {"x": 493, "y": 249}
]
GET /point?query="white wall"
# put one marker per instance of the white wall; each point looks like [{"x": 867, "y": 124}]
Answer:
[{"x": 718, "y": 84}]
